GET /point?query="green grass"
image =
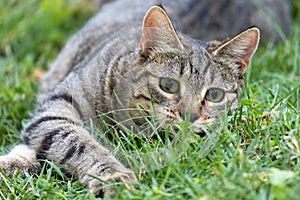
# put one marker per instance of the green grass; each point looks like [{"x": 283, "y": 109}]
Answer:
[{"x": 257, "y": 155}]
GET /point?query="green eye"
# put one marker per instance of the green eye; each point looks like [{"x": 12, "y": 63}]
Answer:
[
  {"x": 215, "y": 95},
  {"x": 169, "y": 85}
]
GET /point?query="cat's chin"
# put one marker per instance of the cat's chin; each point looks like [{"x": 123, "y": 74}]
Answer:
[
  {"x": 200, "y": 133},
  {"x": 206, "y": 127}
]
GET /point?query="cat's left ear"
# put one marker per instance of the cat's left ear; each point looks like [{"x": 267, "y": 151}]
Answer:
[
  {"x": 241, "y": 47},
  {"x": 158, "y": 32}
]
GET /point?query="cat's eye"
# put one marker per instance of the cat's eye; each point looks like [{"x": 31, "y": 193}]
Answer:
[
  {"x": 215, "y": 95},
  {"x": 169, "y": 85}
]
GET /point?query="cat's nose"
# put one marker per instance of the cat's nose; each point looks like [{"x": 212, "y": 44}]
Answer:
[{"x": 189, "y": 116}]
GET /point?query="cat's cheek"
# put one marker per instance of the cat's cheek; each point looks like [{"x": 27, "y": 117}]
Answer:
[
  {"x": 209, "y": 104},
  {"x": 230, "y": 96},
  {"x": 232, "y": 101},
  {"x": 214, "y": 111},
  {"x": 172, "y": 97}
]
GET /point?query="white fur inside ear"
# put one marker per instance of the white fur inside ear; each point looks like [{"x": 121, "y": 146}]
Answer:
[
  {"x": 242, "y": 46},
  {"x": 158, "y": 32}
]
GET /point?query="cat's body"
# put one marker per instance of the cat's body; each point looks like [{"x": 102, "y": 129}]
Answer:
[{"x": 115, "y": 67}]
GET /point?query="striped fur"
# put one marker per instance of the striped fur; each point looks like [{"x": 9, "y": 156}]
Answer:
[{"x": 108, "y": 67}]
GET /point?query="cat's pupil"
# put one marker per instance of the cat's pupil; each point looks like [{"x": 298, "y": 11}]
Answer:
[
  {"x": 169, "y": 85},
  {"x": 214, "y": 93}
]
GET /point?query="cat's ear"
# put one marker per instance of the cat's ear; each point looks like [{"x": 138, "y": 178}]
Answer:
[
  {"x": 158, "y": 31},
  {"x": 240, "y": 48}
]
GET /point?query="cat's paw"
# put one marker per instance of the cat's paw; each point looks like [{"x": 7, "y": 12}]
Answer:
[
  {"x": 97, "y": 186},
  {"x": 21, "y": 158}
]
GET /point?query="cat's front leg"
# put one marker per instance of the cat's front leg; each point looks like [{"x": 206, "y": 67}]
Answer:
[
  {"x": 97, "y": 166},
  {"x": 57, "y": 133}
]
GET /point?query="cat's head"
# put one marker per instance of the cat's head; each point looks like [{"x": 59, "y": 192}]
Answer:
[{"x": 177, "y": 78}]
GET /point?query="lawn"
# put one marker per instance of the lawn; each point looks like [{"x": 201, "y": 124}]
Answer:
[{"x": 256, "y": 156}]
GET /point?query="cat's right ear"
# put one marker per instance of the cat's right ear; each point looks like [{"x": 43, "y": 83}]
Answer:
[
  {"x": 158, "y": 32},
  {"x": 240, "y": 48}
]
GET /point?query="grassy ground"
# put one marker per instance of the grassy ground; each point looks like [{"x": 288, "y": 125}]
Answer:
[{"x": 256, "y": 157}]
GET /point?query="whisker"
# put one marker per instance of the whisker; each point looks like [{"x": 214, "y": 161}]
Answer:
[
  {"x": 133, "y": 118},
  {"x": 121, "y": 76},
  {"x": 158, "y": 128},
  {"x": 118, "y": 123},
  {"x": 118, "y": 110}
]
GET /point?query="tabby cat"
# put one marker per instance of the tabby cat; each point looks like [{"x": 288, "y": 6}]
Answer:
[{"x": 109, "y": 67}]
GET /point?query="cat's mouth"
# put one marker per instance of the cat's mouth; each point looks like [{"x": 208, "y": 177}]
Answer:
[
  {"x": 201, "y": 128},
  {"x": 200, "y": 133}
]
